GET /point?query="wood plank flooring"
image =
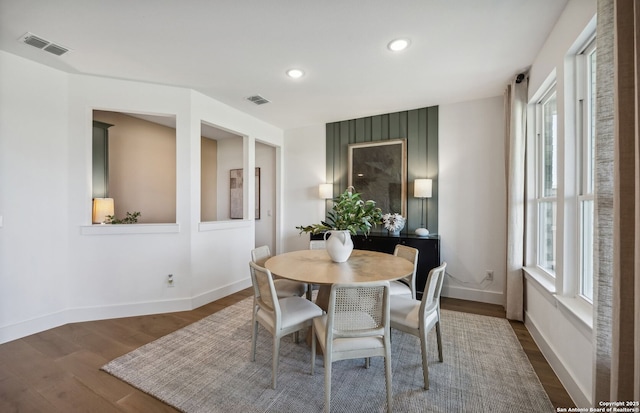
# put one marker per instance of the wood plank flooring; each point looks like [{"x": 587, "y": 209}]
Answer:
[{"x": 58, "y": 370}]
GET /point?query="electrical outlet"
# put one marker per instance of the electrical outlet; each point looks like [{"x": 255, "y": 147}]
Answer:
[
  {"x": 170, "y": 280},
  {"x": 489, "y": 276}
]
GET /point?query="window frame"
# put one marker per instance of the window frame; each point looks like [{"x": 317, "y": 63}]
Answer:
[
  {"x": 585, "y": 107},
  {"x": 541, "y": 198}
]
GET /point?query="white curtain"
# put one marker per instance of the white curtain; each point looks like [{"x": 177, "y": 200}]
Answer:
[
  {"x": 515, "y": 144},
  {"x": 617, "y": 250}
]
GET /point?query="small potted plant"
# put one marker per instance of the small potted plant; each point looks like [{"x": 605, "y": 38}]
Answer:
[
  {"x": 131, "y": 218},
  {"x": 350, "y": 214}
]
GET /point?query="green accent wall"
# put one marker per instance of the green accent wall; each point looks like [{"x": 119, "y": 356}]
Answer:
[{"x": 419, "y": 127}]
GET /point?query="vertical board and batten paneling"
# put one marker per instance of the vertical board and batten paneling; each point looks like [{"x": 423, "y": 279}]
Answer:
[{"x": 419, "y": 127}]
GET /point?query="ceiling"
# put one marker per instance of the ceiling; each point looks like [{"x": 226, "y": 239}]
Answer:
[{"x": 231, "y": 49}]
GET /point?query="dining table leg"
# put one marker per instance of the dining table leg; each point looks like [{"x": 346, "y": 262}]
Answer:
[{"x": 322, "y": 299}]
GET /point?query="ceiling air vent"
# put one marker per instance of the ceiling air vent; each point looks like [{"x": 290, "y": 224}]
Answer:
[
  {"x": 257, "y": 99},
  {"x": 56, "y": 49},
  {"x": 43, "y": 44}
]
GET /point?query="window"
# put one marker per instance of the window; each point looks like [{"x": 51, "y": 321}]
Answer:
[
  {"x": 586, "y": 96},
  {"x": 547, "y": 180},
  {"x": 560, "y": 180}
]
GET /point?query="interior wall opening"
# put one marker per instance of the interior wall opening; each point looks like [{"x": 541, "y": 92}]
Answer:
[
  {"x": 134, "y": 163},
  {"x": 221, "y": 185}
]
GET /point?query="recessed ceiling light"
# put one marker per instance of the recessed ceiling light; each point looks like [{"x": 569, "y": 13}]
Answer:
[
  {"x": 295, "y": 73},
  {"x": 398, "y": 45}
]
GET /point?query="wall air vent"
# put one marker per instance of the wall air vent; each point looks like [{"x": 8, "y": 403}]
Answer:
[
  {"x": 43, "y": 44},
  {"x": 257, "y": 99}
]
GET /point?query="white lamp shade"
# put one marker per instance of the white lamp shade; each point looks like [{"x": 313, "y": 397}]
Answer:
[
  {"x": 422, "y": 188},
  {"x": 326, "y": 191},
  {"x": 101, "y": 208}
]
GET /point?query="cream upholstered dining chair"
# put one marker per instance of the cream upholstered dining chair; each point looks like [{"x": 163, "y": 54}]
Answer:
[
  {"x": 419, "y": 317},
  {"x": 279, "y": 316},
  {"x": 356, "y": 325},
  {"x": 406, "y": 287},
  {"x": 284, "y": 288}
]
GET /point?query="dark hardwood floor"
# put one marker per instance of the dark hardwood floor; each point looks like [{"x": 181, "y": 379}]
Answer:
[{"x": 58, "y": 370}]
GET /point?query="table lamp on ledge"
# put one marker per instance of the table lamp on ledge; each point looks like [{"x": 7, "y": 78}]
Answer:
[
  {"x": 326, "y": 191},
  {"x": 101, "y": 208},
  {"x": 422, "y": 188}
]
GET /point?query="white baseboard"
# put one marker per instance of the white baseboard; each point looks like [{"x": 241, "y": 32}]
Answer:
[
  {"x": 576, "y": 392},
  {"x": 80, "y": 314},
  {"x": 32, "y": 326},
  {"x": 221, "y": 292},
  {"x": 482, "y": 296}
]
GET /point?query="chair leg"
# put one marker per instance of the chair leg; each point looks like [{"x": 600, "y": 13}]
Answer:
[
  {"x": 439, "y": 336},
  {"x": 313, "y": 349},
  {"x": 254, "y": 339},
  {"x": 425, "y": 366},
  {"x": 296, "y": 337},
  {"x": 276, "y": 352},
  {"x": 327, "y": 384},
  {"x": 387, "y": 372},
  {"x": 367, "y": 362}
]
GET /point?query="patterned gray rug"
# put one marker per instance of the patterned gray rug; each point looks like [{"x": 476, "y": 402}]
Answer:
[{"x": 205, "y": 367}]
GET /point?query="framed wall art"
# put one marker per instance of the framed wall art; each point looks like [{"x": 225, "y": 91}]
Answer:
[
  {"x": 378, "y": 170},
  {"x": 235, "y": 197}
]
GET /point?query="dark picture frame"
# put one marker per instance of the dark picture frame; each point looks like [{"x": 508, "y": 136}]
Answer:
[{"x": 378, "y": 171}]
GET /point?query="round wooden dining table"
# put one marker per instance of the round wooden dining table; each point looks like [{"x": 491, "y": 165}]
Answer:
[{"x": 316, "y": 267}]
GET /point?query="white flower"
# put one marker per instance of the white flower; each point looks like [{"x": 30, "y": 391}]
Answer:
[{"x": 393, "y": 222}]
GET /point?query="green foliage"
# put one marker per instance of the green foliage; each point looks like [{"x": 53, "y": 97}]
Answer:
[
  {"x": 131, "y": 218},
  {"x": 350, "y": 213}
]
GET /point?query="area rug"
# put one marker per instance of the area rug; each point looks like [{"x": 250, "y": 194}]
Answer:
[{"x": 205, "y": 367}]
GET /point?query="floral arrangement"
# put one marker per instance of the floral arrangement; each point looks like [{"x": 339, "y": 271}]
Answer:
[{"x": 393, "y": 222}]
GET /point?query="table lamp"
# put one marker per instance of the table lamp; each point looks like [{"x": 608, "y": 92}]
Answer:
[
  {"x": 422, "y": 188},
  {"x": 101, "y": 208},
  {"x": 326, "y": 191}
]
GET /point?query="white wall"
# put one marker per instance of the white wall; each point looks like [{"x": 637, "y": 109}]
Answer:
[
  {"x": 304, "y": 159},
  {"x": 472, "y": 198},
  {"x": 57, "y": 268},
  {"x": 564, "y": 338},
  {"x": 33, "y": 190}
]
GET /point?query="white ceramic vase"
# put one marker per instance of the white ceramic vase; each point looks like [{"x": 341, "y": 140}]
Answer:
[
  {"x": 422, "y": 232},
  {"x": 339, "y": 245}
]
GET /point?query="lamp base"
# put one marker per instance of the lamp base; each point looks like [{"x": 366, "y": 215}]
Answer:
[{"x": 422, "y": 232}]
